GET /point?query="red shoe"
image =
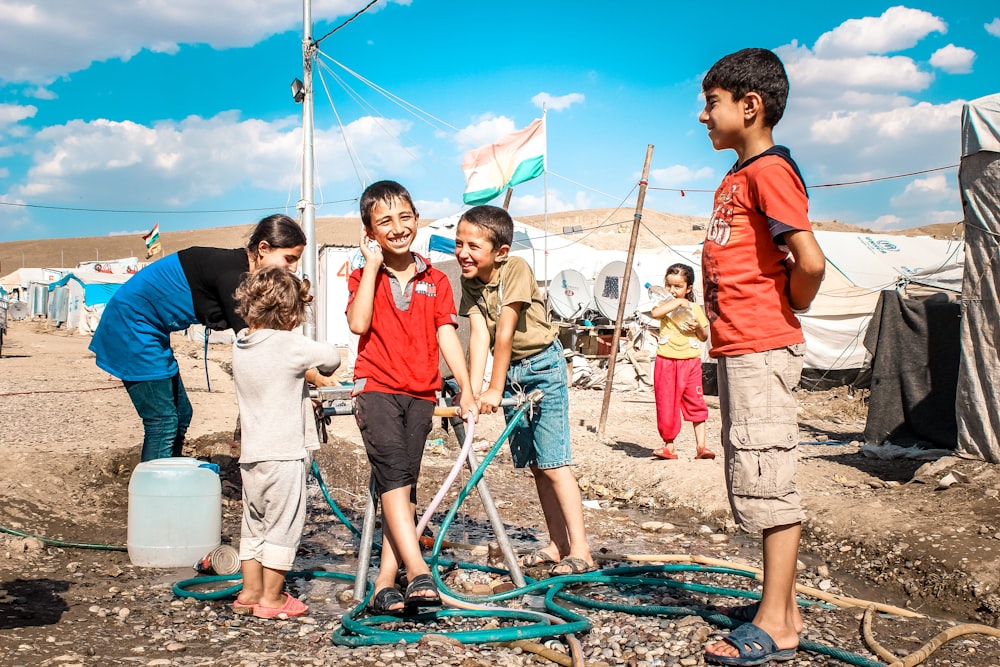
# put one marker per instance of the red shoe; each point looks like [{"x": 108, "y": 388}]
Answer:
[
  {"x": 705, "y": 454},
  {"x": 664, "y": 453}
]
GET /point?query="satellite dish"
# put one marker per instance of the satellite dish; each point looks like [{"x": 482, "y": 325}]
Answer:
[
  {"x": 608, "y": 290},
  {"x": 18, "y": 310},
  {"x": 569, "y": 294}
]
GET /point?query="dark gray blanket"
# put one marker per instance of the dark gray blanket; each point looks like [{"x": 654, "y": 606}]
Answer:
[{"x": 915, "y": 350}]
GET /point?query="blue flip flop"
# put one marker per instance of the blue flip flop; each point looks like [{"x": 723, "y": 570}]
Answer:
[{"x": 755, "y": 648}]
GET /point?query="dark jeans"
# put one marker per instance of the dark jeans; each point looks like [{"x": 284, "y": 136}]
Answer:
[{"x": 166, "y": 413}]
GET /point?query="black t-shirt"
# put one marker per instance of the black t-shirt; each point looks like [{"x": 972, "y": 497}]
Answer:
[{"x": 214, "y": 274}]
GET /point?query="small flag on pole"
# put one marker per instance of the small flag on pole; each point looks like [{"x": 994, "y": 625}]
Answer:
[
  {"x": 152, "y": 240},
  {"x": 515, "y": 158}
]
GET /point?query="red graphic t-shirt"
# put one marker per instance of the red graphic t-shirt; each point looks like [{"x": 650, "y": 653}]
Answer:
[{"x": 743, "y": 261}]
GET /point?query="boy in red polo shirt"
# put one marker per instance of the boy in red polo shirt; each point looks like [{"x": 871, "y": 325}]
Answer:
[{"x": 404, "y": 312}]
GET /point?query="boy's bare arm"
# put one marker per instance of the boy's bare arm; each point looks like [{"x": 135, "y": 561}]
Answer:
[
  {"x": 454, "y": 356},
  {"x": 479, "y": 348},
  {"x": 806, "y": 268},
  {"x": 359, "y": 312},
  {"x": 489, "y": 401}
]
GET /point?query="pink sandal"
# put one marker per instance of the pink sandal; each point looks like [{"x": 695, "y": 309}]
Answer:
[{"x": 292, "y": 607}]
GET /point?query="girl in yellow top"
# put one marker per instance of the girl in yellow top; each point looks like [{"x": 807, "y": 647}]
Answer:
[{"x": 677, "y": 375}]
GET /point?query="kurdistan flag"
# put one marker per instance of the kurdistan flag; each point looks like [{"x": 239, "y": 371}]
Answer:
[
  {"x": 515, "y": 158},
  {"x": 153, "y": 236},
  {"x": 152, "y": 240}
]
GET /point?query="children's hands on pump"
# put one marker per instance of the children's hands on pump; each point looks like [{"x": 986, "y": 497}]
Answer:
[{"x": 489, "y": 401}]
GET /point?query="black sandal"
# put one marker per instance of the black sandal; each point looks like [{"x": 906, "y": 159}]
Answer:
[
  {"x": 382, "y": 601},
  {"x": 420, "y": 583}
]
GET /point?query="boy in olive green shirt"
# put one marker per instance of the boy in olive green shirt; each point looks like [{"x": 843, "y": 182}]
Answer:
[{"x": 507, "y": 315}]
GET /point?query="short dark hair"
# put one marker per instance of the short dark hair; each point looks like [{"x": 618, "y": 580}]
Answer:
[
  {"x": 494, "y": 221},
  {"x": 752, "y": 71},
  {"x": 277, "y": 231},
  {"x": 384, "y": 192}
]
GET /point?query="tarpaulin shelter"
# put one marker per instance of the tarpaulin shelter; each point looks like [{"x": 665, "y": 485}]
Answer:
[
  {"x": 88, "y": 292},
  {"x": 978, "y": 395}
]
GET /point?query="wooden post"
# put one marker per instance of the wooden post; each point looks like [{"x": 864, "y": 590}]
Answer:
[
  {"x": 506, "y": 198},
  {"x": 636, "y": 220}
]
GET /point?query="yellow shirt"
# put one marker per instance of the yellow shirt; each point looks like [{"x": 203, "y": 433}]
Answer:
[{"x": 677, "y": 345}]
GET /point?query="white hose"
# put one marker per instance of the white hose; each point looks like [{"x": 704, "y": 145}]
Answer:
[{"x": 470, "y": 429}]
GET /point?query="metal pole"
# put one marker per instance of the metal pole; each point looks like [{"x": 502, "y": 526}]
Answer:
[
  {"x": 365, "y": 546},
  {"x": 636, "y": 219},
  {"x": 307, "y": 208}
]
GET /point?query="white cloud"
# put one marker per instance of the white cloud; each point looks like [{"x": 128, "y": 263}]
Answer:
[
  {"x": 896, "y": 29},
  {"x": 434, "y": 210},
  {"x": 953, "y": 59},
  {"x": 557, "y": 103},
  {"x": 923, "y": 191},
  {"x": 811, "y": 75},
  {"x": 851, "y": 116},
  {"x": 11, "y": 114},
  {"x": 885, "y": 223},
  {"x": 486, "y": 130},
  {"x": 680, "y": 175},
  {"x": 993, "y": 27},
  {"x": 923, "y": 201},
  {"x": 555, "y": 202},
  {"x": 172, "y": 164},
  {"x": 80, "y": 33}
]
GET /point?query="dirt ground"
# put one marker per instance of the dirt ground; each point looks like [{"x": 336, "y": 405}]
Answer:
[{"x": 878, "y": 530}]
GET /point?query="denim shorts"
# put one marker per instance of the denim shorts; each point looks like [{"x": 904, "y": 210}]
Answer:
[
  {"x": 541, "y": 439},
  {"x": 760, "y": 436}
]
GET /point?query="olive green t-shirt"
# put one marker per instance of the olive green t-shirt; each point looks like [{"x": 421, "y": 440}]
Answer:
[{"x": 513, "y": 283}]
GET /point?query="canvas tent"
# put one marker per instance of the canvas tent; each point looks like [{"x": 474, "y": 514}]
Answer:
[
  {"x": 978, "y": 392},
  {"x": 859, "y": 267}
]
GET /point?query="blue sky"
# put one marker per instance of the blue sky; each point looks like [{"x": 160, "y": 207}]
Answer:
[{"x": 116, "y": 115}]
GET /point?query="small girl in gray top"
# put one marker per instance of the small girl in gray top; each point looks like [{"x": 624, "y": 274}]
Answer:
[{"x": 279, "y": 429}]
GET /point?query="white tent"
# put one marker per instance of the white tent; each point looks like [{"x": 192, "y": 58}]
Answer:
[
  {"x": 859, "y": 266},
  {"x": 979, "y": 378}
]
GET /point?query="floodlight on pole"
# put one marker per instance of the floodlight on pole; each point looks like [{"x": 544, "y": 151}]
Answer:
[{"x": 298, "y": 91}]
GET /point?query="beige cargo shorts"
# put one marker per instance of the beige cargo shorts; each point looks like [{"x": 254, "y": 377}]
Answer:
[{"x": 760, "y": 435}]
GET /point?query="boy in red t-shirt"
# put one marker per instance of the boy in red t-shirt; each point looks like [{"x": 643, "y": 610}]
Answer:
[
  {"x": 760, "y": 264},
  {"x": 404, "y": 312}
]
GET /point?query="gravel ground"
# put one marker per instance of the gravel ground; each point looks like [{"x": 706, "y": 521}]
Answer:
[{"x": 875, "y": 532}]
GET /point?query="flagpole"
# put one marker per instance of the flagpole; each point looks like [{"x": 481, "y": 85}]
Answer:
[
  {"x": 545, "y": 207},
  {"x": 636, "y": 219}
]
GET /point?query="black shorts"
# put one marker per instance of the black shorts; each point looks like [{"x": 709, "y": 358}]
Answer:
[{"x": 394, "y": 428}]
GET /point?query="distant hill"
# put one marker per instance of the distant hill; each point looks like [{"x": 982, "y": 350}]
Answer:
[{"x": 601, "y": 228}]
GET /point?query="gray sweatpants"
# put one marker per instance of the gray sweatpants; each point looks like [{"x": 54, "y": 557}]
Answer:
[{"x": 274, "y": 512}]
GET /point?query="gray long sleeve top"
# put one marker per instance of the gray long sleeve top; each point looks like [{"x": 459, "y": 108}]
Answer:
[{"x": 276, "y": 414}]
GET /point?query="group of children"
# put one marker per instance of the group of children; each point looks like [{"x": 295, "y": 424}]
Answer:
[{"x": 760, "y": 264}]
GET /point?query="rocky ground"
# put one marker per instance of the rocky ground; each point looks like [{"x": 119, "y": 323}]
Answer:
[{"x": 888, "y": 531}]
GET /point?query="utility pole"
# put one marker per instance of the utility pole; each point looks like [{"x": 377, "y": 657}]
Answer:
[
  {"x": 307, "y": 205},
  {"x": 636, "y": 220}
]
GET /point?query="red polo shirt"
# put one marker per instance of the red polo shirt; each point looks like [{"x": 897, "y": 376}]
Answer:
[{"x": 399, "y": 353}]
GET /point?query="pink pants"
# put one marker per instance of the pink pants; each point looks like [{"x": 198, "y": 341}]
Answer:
[{"x": 678, "y": 391}]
